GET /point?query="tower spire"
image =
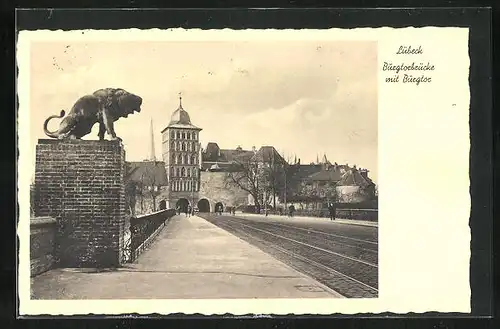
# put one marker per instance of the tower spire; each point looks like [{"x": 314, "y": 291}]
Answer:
[
  {"x": 152, "y": 156},
  {"x": 180, "y": 100}
]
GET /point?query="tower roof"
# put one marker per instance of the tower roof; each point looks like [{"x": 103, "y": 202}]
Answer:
[
  {"x": 180, "y": 116},
  {"x": 180, "y": 119}
]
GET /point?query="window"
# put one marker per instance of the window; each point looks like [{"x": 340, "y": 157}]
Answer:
[
  {"x": 172, "y": 135},
  {"x": 183, "y": 172},
  {"x": 188, "y": 135},
  {"x": 194, "y": 135},
  {"x": 172, "y": 172},
  {"x": 193, "y": 159},
  {"x": 183, "y": 135},
  {"x": 189, "y": 172},
  {"x": 178, "y": 172},
  {"x": 178, "y": 135},
  {"x": 172, "y": 145},
  {"x": 183, "y": 146}
]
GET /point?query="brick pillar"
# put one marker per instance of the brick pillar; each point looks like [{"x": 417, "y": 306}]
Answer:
[{"x": 80, "y": 183}]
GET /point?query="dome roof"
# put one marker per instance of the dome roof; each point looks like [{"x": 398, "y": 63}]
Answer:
[
  {"x": 180, "y": 119},
  {"x": 180, "y": 116}
]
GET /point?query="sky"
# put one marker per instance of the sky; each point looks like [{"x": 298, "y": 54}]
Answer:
[{"x": 305, "y": 98}]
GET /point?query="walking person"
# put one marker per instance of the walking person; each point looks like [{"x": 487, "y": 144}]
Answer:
[
  {"x": 189, "y": 211},
  {"x": 332, "y": 211}
]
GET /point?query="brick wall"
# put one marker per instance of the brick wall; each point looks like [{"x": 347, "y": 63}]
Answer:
[
  {"x": 42, "y": 237},
  {"x": 80, "y": 183}
]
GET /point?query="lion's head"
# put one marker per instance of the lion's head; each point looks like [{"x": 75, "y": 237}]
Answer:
[{"x": 120, "y": 99}]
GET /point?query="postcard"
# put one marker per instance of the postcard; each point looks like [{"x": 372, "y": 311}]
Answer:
[{"x": 244, "y": 171}]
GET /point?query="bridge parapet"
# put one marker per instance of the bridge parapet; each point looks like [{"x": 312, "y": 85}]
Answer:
[
  {"x": 143, "y": 230},
  {"x": 42, "y": 247}
]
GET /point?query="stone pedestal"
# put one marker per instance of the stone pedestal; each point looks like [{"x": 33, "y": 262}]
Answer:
[{"x": 80, "y": 183}]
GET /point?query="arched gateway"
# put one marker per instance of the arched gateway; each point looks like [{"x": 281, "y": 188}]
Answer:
[
  {"x": 218, "y": 206},
  {"x": 182, "y": 205},
  {"x": 203, "y": 205}
]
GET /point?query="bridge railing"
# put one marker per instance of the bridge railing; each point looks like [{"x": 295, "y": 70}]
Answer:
[{"x": 143, "y": 230}]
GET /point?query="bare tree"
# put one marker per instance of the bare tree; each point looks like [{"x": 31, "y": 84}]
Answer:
[
  {"x": 286, "y": 177},
  {"x": 140, "y": 191},
  {"x": 131, "y": 188},
  {"x": 130, "y": 196},
  {"x": 151, "y": 184},
  {"x": 274, "y": 177},
  {"x": 245, "y": 174},
  {"x": 326, "y": 192}
]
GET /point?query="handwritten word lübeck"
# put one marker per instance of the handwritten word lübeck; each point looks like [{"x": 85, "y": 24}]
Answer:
[{"x": 409, "y": 50}]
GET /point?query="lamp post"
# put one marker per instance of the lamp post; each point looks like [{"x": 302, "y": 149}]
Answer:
[{"x": 285, "y": 168}]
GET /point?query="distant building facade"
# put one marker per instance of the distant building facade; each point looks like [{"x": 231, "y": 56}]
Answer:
[{"x": 196, "y": 176}]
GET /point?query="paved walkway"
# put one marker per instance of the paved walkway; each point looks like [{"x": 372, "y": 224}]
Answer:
[
  {"x": 304, "y": 218},
  {"x": 191, "y": 258}
]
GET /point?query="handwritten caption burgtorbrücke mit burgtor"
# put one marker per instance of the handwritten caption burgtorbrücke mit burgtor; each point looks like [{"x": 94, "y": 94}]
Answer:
[{"x": 413, "y": 72}]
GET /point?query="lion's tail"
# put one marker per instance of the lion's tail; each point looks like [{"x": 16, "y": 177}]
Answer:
[{"x": 52, "y": 134}]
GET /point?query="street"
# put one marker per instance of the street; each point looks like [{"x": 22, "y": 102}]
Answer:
[{"x": 342, "y": 256}]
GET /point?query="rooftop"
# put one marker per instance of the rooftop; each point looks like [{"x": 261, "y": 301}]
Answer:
[
  {"x": 180, "y": 119},
  {"x": 147, "y": 172},
  {"x": 354, "y": 178}
]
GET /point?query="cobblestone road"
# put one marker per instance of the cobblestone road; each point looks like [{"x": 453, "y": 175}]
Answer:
[{"x": 344, "y": 257}]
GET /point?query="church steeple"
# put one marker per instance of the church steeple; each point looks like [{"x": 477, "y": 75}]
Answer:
[{"x": 152, "y": 155}]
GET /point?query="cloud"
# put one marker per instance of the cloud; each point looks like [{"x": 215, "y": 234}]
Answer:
[{"x": 303, "y": 97}]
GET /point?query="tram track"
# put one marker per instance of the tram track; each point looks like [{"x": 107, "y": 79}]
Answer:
[
  {"x": 374, "y": 243},
  {"x": 358, "y": 251},
  {"x": 351, "y": 277}
]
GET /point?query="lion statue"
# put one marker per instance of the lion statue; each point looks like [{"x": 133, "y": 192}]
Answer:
[{"x": 104, "y": 106}]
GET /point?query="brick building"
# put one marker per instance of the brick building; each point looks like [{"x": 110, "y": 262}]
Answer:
[{"x": 181, "y": 155}]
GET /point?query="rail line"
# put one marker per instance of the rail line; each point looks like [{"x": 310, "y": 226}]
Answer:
[
  {"x": 321, "y": 232},
  {"x": 372, "y": 290},
  {"x": 340, "y": 243},
  {"x": 309, "y": 245}
]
